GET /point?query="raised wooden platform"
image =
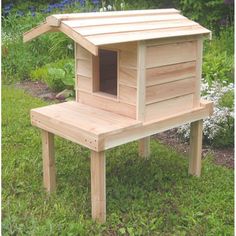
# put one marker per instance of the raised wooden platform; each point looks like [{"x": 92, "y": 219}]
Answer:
[{"x": 99, "y": 130}]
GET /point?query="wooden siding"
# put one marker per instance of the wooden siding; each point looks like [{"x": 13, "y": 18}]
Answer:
[{"x": 170, "y": 78}]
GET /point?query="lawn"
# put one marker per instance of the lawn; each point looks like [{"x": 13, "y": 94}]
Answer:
[{"x": 144, "y": 197}]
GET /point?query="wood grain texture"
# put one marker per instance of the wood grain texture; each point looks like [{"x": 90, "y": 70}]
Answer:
[
  {"x": 195, "y": 148},
  {"x": 154, "y": 126},
  {"x": 107, "y": 104},
  {"x": 168, "y": 107},
  {"x": 128, "y": 94},
  {"x": 144, "y": 147},
  {"x": 49, "y": 169},
  {"x": 167, "y": 91},
  {"x": 170, "y": 54},
  {"x": 98, "y": 186},
  {"x": 128, "y": 76},
  {"x": 91, "y": 30},
  {"x": 84, "y": 83},
  {"x": 170, "y": 73},
  {"x": 197, "y": 93},
  {"x": 141, "y": 81},
  {"x": 84, "y": 67}
]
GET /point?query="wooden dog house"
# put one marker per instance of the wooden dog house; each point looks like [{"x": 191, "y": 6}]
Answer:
[{"x": 137, "y": 73}]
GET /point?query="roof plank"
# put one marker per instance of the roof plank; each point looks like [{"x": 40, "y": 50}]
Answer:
[
  {"x": 145, "y": 35},
  {"x": 55, "y": 20},
  {"x": 106, "y": 29},
  {"x": 121, "y": 20}
]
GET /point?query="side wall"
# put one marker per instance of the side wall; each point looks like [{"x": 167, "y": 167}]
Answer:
[
  {"x": 87, "y": 80},
  {"x": 172, "y": 76}
]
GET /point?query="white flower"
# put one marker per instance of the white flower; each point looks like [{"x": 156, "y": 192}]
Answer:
[
  {"x": 109, "y": 7},
  {"x": 221, "y": 115}
]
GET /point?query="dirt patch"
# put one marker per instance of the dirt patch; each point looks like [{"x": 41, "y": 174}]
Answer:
[
  {"x": 37, "y": 89},
  {"x": 222, "y": 156}
]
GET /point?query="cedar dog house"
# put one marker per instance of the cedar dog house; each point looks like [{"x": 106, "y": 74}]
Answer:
[{"x": 137, "y": 73}]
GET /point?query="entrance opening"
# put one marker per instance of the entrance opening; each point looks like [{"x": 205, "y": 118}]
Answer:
[{"x": 108, "y": 71}]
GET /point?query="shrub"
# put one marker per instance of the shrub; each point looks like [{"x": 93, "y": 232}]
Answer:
[
  {"x": 218, "y": 129},
  {"x": 58, "y": 75},
  {"x": 218, "y": 61}
]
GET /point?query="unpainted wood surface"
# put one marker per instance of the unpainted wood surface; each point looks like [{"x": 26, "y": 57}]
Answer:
[
  {"x": 170, "y": 54},
  {"x": 107, "y": 103},
  {"x": 98, "y": 186},
  {"x": 49, "y": 169},
  {"x": 170, "y": 73},
  {"x": 128, "y": 94},
  {"x": 92, "y": 30},
  {"x": 171, "y": 90},
  {"x": 195, "y": 148},
  {"x": 156, "y": 125},
  {"x": 168, "y": 107}
]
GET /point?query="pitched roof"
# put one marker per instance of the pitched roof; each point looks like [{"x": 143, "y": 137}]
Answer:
[{"x": 92, "y": 30}]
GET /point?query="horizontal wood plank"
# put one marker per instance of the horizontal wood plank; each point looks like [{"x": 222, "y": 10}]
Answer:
[
  {"x": 170, "y": 90},
  {"x": 84, "y": 83},
  {"x": 128, "y": 76},
  {"x": 171, "y": 54},
  {"x": 55, "y": 20},
  {"x": 148, "y": 34},
  {"x": 107, "y": 104},
  {"x": 169, "y": 73},
  {"x": 129, "y": 27},
  {"x": 154, "y": 126},
  {"x": 169, "y": 107},
  {"x": 122, "y": 20},
  {"x": 128, "y": 94},
  {"x": 84, "y": 68}
]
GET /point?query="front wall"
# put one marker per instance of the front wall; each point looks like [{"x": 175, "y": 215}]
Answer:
[
  {"x": 171, "y": 78},
  {"x": 125, "y": 102}
]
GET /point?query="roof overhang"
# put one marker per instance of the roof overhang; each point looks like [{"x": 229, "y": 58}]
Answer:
[{"x": 94, "y": 29}]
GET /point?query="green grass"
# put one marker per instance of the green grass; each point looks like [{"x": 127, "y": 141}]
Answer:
[{"x": 144, "y": 197}]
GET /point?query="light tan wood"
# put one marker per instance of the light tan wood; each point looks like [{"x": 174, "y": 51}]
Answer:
[
  {"x": 84, "y": 83},
  {"x": 178, "y": 39},
  {"x": 38, "y": 30},
  {"x": 79, "y": 39},
  {"x": 84, "y": 67},
  {"x": 127, "y": 26},
  {"x": 197, "y": 93},
  {"x": 141, "y": 81},
  {"x": 170, "y": 54},
  {"x": 145, "y": 35},
  {"x": 103, "y": 102},
  {"x": 82, "y": 53},
  {"x": 155, "y": 126},
  {"x": 55, "y": 20},
  {"x": 49, "y": 170},
  {"x": 195, "y": 148},
  {"x": 98, "y": 186},
  {"x": 99, "y": 130},
  {"x": 122, "y": 20},
  {"x": 144, "y": 144},
  {"x": 170, "y": 73},
  {"x": 144, "y": 147},
  {"x": 171, "y": 90},
  {"x": 128, "y": 77},
  {"x": 96, "y": 79},
  {"x": 168, "y": 107},
  {"x": 128, "y": 94}
]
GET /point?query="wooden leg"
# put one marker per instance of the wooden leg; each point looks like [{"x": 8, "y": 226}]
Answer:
[
  {"x": 49, "y": 171},
  {"x": 144, "y": 147},
  {"x": 195, "y": 148},
  {"x": 98, "y": 186}
]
